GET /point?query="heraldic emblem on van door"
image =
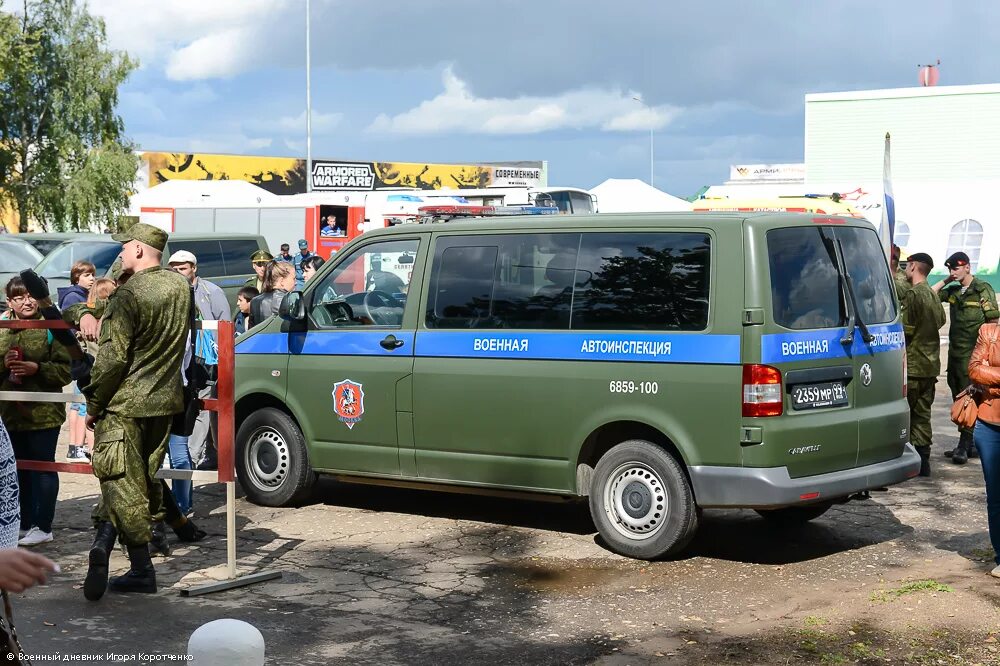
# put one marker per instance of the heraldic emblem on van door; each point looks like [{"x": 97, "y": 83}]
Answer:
[
  {"x": 349, "y": 402},
  {"x": 866, "y": 374}
]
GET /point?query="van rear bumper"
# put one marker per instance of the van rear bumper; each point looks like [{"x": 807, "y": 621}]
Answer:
[{"x": 772, "y": 487}]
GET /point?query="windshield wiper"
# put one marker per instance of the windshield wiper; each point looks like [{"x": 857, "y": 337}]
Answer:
[{"x": 836, "y": 252}]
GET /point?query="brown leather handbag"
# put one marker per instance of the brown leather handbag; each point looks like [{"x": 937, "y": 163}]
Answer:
[{"x": 965, "y": 409}]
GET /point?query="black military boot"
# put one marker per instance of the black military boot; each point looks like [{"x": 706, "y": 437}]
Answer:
[
  {"x": 925, "y": 460},
  {"x": 960, "y": 455},
  {"x": 973, "y": 451},
  {"x": 158, "y": 544},
  {"x": 96, "y": 582},
  {"x": 141, "y": 576},
  {"x": 187, "y": 531}
]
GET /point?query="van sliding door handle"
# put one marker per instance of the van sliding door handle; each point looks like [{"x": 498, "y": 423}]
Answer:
[{"x": 390, "y": 342}]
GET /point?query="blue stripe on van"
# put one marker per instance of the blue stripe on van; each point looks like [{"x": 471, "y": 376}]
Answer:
[
  {"x": 327, "y": 343},
  {"x": 824, "y": 344},
  {"x": 572, "y": 346},
  {"x": 633, "y": 347}
]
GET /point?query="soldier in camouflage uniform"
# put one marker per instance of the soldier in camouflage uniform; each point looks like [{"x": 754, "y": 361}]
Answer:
[
  {"x": 973, "y": 303},
  {"x": 899, "y": 277},
  {"x": 134, "y": 393},
  {"x": 259, "y": 259},
  {"x": 922, "y": 316}
]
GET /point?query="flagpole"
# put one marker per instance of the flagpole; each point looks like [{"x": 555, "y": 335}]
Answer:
[{"x": 309, "y": 160}]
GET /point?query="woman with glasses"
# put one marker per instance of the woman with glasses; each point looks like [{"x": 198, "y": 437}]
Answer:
[{"x": 32, "y": 362}]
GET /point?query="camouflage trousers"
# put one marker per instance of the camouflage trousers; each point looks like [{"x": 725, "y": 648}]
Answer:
[
  {"x": 920, "y": 395},
  {"x": 127, "y": 454}
]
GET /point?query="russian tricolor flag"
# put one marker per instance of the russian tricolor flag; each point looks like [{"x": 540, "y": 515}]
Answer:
[{"x": 887, "y": 226}]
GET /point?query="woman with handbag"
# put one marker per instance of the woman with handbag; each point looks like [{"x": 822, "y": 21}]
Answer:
[{"x": 984, "y": 373}]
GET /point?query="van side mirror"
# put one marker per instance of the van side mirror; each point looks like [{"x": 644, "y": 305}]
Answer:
[{"x": 293, "y": 307}]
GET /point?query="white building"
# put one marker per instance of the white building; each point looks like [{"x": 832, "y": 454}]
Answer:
[{"x": 945, "y": 164}]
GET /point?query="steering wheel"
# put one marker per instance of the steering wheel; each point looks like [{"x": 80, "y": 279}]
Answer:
[
  {"x": 333, "y": 312},
  {"x": 378, "y": 299}
]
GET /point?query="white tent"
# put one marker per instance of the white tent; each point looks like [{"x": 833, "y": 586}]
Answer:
[
  {"x": 194, "y": 193},
  {"x": 630, "y": 195}
]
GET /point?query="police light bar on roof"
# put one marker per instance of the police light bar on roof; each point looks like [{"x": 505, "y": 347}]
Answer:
[{"x": 486, "y": 211}]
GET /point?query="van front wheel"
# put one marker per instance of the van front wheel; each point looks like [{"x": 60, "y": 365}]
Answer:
[
  {"x": 272, "y": 461},
  {"x": 641, "y": 501}
]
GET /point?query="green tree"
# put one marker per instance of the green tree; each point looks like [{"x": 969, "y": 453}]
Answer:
[{"x": 64, "y": 159}]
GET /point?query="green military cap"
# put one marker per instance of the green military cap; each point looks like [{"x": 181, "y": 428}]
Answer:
[
  {"x": 117, "y": 270},
  {"x": 261, "y": 255},
  {"x": 152, "y": 236}
]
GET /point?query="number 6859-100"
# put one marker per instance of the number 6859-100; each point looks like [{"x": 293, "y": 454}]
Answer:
[{"x": 629, "y": 386}]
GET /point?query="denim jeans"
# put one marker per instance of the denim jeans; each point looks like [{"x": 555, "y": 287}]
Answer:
[
  {"x": 180, "y": 458},
  {"x": 39, "y": 490},
  {"x": 987, "y": 438}
]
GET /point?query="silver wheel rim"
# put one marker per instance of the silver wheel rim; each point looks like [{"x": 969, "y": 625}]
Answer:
[
  {"x": 635, "y": 501},
  {"x": 267, "y": 459}
]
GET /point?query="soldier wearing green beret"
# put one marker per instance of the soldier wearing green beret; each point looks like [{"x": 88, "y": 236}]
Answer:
[
  {"x": 972, "y": 303},
  {"x": 134, "y": 393},
  {"x": 923, "y": 316},
  {"x": 260, "y": 259}
]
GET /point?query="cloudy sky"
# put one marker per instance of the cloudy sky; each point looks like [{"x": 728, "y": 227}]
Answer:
[{"x": 721, "y": 82}]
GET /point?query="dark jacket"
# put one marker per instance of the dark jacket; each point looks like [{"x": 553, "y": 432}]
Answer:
[
  {"x": 265, "y": 305},
  {"x": 71, "y": 296}
]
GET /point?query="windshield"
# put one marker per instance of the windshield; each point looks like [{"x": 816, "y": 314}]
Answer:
[
  {"x": 59, "y": 262},
  {"x": 804, "y": 278},
  {"x": 15, "y": 257}
]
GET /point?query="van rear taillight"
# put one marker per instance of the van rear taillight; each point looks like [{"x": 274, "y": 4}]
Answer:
[{"x": 762, "y": 394}]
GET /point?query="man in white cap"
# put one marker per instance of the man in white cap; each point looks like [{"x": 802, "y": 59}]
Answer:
[{"x": 212, "y": 306}]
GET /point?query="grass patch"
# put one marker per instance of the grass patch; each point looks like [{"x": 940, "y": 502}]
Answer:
[
  {"x": 814, "y": 621},
  {"x": 911, "y": 588}
]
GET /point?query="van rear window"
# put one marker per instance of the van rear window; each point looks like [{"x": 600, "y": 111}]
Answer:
[{"x": 805, "y": 285}]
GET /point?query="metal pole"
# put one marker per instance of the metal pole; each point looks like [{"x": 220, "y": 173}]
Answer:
[
  {"x": 651, "y": 153},
  {"x": 309, "y": 161}
]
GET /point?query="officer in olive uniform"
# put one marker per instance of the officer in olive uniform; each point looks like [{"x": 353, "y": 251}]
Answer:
[
  {"x": 972, "y": 303},
  {"x": 134, "y": 393},
  {"x": 923, "y": 316},
  {"x": 260, "y": 259}
]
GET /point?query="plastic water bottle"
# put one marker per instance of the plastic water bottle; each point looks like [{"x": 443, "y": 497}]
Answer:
[{"x": 19, "y": 356}]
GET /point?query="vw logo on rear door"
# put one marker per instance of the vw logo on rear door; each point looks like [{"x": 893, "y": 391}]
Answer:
[{"x": 866, "y": 374}]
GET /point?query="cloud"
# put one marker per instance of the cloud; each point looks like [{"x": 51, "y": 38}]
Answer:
[
  {"x": 458, "y": 110},
  {"x": 199, "y": 39}
]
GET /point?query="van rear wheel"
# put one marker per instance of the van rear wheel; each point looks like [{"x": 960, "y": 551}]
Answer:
[
  {"x": 641, "y": 501},
  {"x": 272, "y": 461},
  {"x": 791, "y": 516}
]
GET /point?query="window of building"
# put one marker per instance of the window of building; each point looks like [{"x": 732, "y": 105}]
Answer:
[
  {"x": 901, "y": 236},
  {"x": 966, "y": 236}
]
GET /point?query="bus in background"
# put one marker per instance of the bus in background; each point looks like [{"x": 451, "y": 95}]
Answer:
[{"x": 569, "y": 200}]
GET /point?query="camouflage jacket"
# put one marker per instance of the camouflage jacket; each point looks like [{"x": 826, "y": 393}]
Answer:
[
  {"x": 145, "y": 327},
  {"x": 923, "y": 316},
  {"x": 969, "y": 311},
  {"x": 53, "y": 374}
]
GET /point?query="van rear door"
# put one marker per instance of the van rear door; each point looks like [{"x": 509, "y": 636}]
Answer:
[{"x": 842, "y": 394}]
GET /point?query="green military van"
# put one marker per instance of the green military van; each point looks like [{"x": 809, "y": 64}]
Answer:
[
  {"x": 656, "y": 364},
  {"x": 223, "y": 258}
]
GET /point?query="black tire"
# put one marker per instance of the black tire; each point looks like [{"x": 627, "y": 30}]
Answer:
[
  {"x": 792, "y": 516},
  {"x": 272, "y": 461},
  {"x": 664, "y": 516}
]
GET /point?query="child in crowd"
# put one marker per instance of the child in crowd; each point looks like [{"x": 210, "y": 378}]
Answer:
[
  {"x": 243, "y": 298},
  {"x": 82, "y": 277}
]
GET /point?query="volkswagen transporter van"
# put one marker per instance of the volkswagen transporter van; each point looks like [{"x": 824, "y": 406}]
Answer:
[{"x": 654, "y": 364}]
